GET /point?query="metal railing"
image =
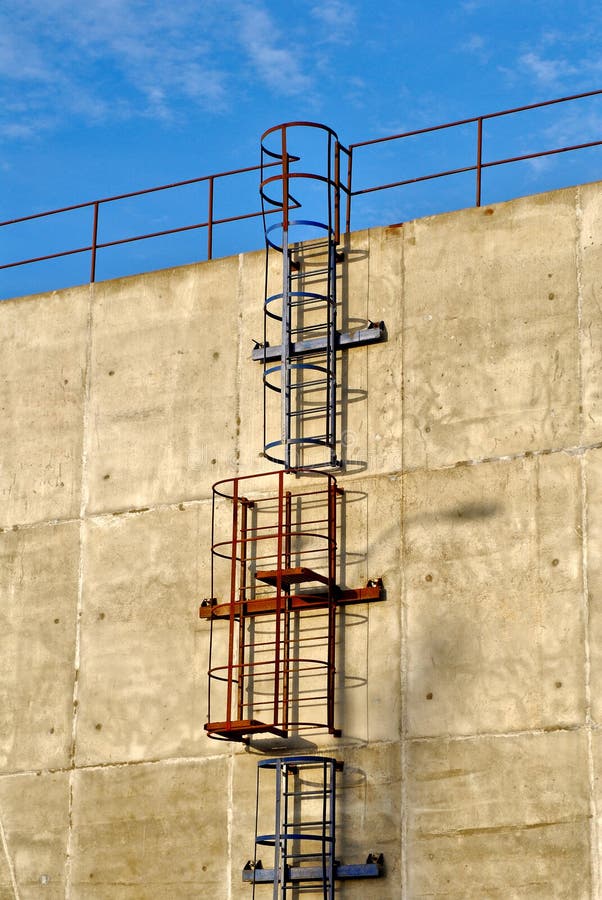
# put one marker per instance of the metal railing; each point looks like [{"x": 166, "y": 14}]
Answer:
[
  {"x": 478, "y": 164},
  {"x": 94, "y": 206}
]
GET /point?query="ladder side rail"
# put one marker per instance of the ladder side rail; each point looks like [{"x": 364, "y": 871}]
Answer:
[
  {"x": 337, "y": 192},
  {"x": 287, "y": 614},
  {"x": 326, "y": 881},
  {"x": 331, "y": 429},
  {"x": 279, "y": 874},
  {"x": 210, "y": 679},
  {"x": 232, "y": 618},
  {"x": 242, "y": 597},
  {"x": 265, "y": 347},
  {"x": 332, "y": 765},
  {"x": 332, "y": 561},
  {"x": 256, "y": 828},
  {"x": 286, "y": 287},
  {"x": 278, "y": 621}
]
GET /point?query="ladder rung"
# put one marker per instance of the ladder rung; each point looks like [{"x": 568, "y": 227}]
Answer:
[
  {"x": 305, "y": 412},
  {"x": 311, "y": 824},
  {"x": 305, "y": 301},
  {"x": 303, "y": 793},
  {"x": 313, "y": 273}
]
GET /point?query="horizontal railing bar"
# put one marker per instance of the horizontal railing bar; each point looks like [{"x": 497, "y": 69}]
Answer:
[
  {"x": 35, "y": 259},
  {"x": 138, "y": 193},
  {"x": 262, "y": 167},
  {"x": 484, "y": 165},
  {"x": 473, "y": 119},
  {"x": 127, "y": 240}
]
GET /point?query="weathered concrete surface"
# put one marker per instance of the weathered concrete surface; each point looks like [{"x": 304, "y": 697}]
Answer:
[
  {"x": 371, "y": 417},
  {"x": 469, "y": 699},
  {"x": 42, "y": 379},
  {"x": 151, "y": 832},
  {"x": 491, "y": 331},
  {"x": 39, "y": 590},
  {"x": 34, "y": 815},
  {"x": 493, "y": 580},
  {"x": 499, "y": 817},
  {"x": 142, "y": 688},
  {"x": 369, "y": 698},
  {"x": 163, "y": 389}
]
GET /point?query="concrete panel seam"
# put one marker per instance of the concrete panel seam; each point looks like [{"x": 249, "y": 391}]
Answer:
[
  {"x": 594, "y": 849},
  {"x": 9, "y": 863},
  {"x": 487, "y": 735},
  {"x": 142, "y": 510},
  {"x": 86, "y": 410},
  {"x": 80, "y": 589},
  {"x": 41, "y": 523},
  {"x": 573, "y": 450},
  {"x": 94, "y": 767},
  {"x": 510, "y": 828},
  {"x": 595, "y": 863}
]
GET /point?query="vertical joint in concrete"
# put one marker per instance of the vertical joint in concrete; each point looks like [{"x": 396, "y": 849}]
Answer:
[{"x": 9, "y": 863}]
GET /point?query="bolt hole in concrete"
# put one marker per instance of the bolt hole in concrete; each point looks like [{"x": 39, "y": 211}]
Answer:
[
  {"x": 559, "y": 684},
  {"x": 428, "y": 577},
  {"x": 429, "y": 696},
  {"x": 555, "y": 562}
]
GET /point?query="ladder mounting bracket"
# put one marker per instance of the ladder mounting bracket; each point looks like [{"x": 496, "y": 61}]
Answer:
[{"x": 373, "y": 333}]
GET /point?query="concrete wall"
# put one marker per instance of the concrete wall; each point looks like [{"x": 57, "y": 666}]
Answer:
[{"x": 470, "y": 700}]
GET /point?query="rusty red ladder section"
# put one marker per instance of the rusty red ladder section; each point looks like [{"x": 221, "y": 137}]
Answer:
[{"x": 274, "y": 561}]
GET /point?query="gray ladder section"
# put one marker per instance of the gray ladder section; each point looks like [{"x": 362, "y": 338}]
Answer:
[
  {"x": 306, "y": 382},
  {"x": 304, "y": 827}
]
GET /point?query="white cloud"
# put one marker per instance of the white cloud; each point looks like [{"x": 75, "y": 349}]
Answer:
[
  {"x": 546, "y": 71},
  {"x": 476, "y": 45},
  {"x": 574, "y": 126},
  {"x": 109, "y": 59},
  {"x": 275, "y": 59},
  {"x": 336, "y": 20}
]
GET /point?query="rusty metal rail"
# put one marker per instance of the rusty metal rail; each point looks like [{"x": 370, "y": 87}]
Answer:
[
  {"x": 94, "y": 205},
  {"x": 480, "y": 164},
  {"x": 212, "y": 220}
]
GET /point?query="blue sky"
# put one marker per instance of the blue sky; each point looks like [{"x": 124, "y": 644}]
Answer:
[{"x": 116, "y": 95}]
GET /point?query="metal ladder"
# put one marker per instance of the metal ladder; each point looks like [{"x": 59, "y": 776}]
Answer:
[
  {"x": 300, "y": 368},
  {"x": 274, "y": 549},
  {"x": 303, "y": 839}
]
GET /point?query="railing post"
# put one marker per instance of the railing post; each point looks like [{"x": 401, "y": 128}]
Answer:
[
  {"x": 349, "y": 170},
  {"x": 210, "y": 219},
  {"x": 94, "y": 243},
  {"x": 479, "y": 158},
  {"x": 337, "y": 192},
  {"x": 285, "y": 192}
]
